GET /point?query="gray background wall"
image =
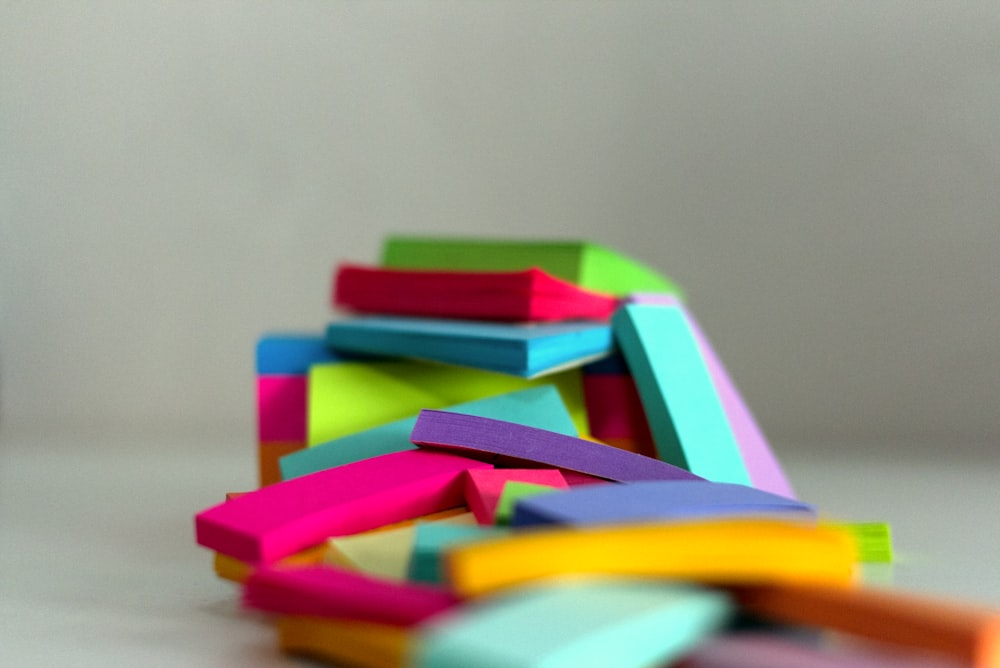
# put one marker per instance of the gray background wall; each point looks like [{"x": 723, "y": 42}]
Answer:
[{"x": 822, "y": 177}]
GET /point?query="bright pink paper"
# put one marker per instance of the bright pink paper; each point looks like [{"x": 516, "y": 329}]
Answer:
[{"x": 281, "y": 407}]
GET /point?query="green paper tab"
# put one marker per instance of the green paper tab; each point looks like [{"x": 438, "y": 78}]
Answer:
[
  {"x": 514, "y": 491},
  {"x": 588, "y": 265},
  {"x": 873, "y": 540},
  {"x": 349, "y": 397}
]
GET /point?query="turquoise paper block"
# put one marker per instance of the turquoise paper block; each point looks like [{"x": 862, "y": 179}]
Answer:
[
  {"x": 433, "y": 539},
  {"x": 528, "y": 350},
  {"x": 620, "y": 623},
  {"x": 685, "y": 413},
  {"x": 540, "y": 407}
]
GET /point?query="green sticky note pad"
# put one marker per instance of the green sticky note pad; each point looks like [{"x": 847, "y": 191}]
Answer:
[
  {"x": 514, "y": 491},
  {"x": 600, "y": 622},
  {"x": 588, "y": 265},
  {"x": 873, "y": 540},
  {"x": 349, "y": 397}
]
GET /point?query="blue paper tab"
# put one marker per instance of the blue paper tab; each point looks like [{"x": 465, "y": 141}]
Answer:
[
  {"x": 654, "y": 501},
  {"x": 293, "y": 354},
  {"x": 526, "y": 350}
]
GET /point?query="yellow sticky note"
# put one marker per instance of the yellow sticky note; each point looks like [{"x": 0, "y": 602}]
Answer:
[
  {"x": 383, "y": 552},
  {"x": 717, "y": 551},
  {"x": 349, "y": 397},
  {"x": 231, "y": 568}
]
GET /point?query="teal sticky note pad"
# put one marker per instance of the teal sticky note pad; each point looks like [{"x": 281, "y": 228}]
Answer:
[
  {"x": 540, "y": 406},
  {"x": 527, "y": 350},
  {"x": 432, "y": 539},
  {"x": 600, "y": 622},
  {"x": 685, "y": 413}
]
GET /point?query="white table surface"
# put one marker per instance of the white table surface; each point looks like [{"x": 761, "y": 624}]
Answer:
[{"x": 98, "y": 564}]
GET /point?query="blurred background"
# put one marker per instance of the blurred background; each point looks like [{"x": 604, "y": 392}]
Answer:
[{"x": 823, "y": 178}]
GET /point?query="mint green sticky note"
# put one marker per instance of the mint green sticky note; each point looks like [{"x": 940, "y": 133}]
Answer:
[{"x": 572, "y": 623}]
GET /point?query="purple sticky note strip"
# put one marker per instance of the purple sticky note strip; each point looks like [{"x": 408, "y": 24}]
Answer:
[
  {"x": 325, "y": 591},
  {"x": 488, "y": 439},
  {"x": 761, "y": 464}
]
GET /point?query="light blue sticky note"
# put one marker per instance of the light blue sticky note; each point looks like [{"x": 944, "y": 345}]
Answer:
[
  {"x": 685, "y": 412},
  {"x": 520, "y": 349},
  {"x": 600, "y": 622},
  {"x": 540, "y": 407},
  {"x": 432, "y": 539},
  {"x": 294, "y": 353}
]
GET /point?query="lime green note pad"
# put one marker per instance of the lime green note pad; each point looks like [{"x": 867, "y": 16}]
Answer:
[
  {"x": 874, "y": 540},
  {"x": 588, "y": 265},
  {"x": 348, "y": 397}
]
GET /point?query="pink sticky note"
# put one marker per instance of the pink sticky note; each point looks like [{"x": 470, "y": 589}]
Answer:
[
  {"x": 281, "y": 519},
  {"x": 484, "y": 487},
  {"x": 574, "y": 479},
  {"x": 326, "y": 591},
  {"x": 762, "y": 465},
  {"x": 614, "y": 409},
  {"x": 281, "y": 407}
]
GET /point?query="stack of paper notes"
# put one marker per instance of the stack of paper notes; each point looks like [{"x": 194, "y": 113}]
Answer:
[{"x": 519, "y": 453}]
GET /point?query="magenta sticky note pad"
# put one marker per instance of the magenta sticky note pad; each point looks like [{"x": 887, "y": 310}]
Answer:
[
  {"x": 497, "y": 440},
  {"x": 614, "y": 409},
  {"x": 281, "y": 407},
  {"x": 483, "y": 487},
  {"x": 281, "y": 519},
  {"x": 326, "y": 591}
]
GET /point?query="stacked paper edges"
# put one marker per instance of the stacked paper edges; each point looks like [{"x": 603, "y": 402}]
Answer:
[{"x": 528, "y": 453}]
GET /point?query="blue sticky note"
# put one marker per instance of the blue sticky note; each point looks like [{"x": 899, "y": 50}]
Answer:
[
  {"x": 293, "y": 354},
  {"x": 654, "y": 501},
  {"x": 526, "y": 350}
]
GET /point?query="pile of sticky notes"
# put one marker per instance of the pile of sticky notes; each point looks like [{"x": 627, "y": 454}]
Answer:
[{"x": 522, "y": 453}]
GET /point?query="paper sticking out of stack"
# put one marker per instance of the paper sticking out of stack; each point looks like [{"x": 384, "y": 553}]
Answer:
[{"x": 527, "y": 453}]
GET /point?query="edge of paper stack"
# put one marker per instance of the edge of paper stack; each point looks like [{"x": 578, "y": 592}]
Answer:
[{"x": 525, "y": 453}]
